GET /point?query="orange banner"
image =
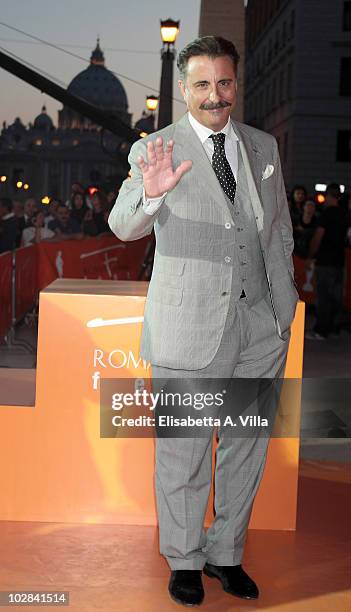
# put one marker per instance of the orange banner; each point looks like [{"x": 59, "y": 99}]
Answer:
[
  {"x": 26, "y": 280},
  {"x": 105, "y": 258},
  {"x": 5, "y": 292},
  {"x": 347, "y": 279},
  {"x": 306, "y": 282}
]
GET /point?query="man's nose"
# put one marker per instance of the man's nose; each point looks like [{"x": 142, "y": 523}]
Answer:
[{"x": 214, "y": 97}]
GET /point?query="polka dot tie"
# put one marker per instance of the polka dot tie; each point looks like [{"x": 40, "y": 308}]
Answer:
[{"x": 222, "y": 167}]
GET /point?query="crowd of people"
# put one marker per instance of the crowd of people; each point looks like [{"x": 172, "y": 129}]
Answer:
[
  {"x": 83, "y": 215},
  {"x": 320, "y": 237},
  {"x": 321, "y": 232},
  {"x": 306, "y": 215}
]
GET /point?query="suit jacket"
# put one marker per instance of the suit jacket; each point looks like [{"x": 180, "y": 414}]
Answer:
[
  {"x": 189, "y": 292},
  {"x": 8, "y": 234}
]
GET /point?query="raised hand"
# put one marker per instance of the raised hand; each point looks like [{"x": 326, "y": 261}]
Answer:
[{"x": 158, "y": 173}]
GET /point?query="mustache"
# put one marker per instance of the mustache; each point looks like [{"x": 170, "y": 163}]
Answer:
[{"x": 206, "y": 106}]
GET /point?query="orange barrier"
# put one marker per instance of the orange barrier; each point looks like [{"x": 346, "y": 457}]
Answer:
[
  {"x": 55, "y": 466},
  {"x": 29, "y": 269}
]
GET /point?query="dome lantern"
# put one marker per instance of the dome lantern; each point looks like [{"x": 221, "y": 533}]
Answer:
[
  {"x": 43, "y": 121},
  {"x": 97, "y": 57}
]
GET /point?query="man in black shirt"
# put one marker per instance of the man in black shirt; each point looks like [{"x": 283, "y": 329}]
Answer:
[
  {"x": 8, "y": 226},
  {"x": 328, "y": 248},
  {"x": 64, "y": 226}
]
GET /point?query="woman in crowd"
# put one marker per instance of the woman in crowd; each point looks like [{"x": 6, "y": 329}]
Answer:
[
  {"x": 345, "y": 203},
  {"x": 78, "y": 207},
  {"x": 95, "y": 221},
  {"x": 297, "y": 200},
  {"x": 304, "y": 229}
]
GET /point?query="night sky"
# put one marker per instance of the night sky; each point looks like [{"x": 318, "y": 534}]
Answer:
[{"x": 123, "y": 26}]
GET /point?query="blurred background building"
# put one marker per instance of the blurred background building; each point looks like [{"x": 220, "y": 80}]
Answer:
[
  {"x": 48, "y": 159},
  {"x": 298, "y": 84}
]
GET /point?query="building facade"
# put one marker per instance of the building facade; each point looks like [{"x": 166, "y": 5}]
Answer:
[
  {"x": 298, "y": 85},
  {"x": 49, "y": 159}
]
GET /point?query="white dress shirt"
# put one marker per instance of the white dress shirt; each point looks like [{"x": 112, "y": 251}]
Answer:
[{"x": 151, "y": 205}]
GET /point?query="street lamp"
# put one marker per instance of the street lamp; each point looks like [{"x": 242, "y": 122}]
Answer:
[
  {"x": 169, "y": 30},
  {"x": 151, "y": 103},
  {"x": 169, "y": 33}
]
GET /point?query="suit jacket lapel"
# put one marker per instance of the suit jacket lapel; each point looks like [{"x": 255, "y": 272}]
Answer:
[
  {"x": 254, "y": 155},
  {"x": 185, "y": 137},
  {"x": 253, "y": 162}
]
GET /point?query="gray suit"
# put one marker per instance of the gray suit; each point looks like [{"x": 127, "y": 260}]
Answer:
[
  {"x": 193, "y": 242},
  {"x": 197, "y": 326}
]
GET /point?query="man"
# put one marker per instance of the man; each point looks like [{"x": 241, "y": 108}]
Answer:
[
  {"x": 37, "y": 232},
  {"x": 30, "y": 208},
  {"x": 65, "y": 227},
  {"x": 328, "y": 248},
  {"x": 220, "y": 302},
  {"x": 8, "y": 226}
]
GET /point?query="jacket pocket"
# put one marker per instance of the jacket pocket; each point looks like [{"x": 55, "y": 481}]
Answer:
[
  {"x": 163, "y": 294},
  {"x": 169, "y": 266}
]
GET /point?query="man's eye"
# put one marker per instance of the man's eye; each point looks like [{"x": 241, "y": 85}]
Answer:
[{"x": 202, "y": 85}]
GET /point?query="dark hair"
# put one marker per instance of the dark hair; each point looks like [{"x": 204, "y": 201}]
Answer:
[
  {"x": 101, "y": 195},
  {"x": 213, "y": 46},
  {"x": 36, "y": 214},
  {"x": 301, "y": 187},
  {"x": 73, "y": 198},
  {"x": 333, "y": 189},
  {"x": 6, "y": 203}
]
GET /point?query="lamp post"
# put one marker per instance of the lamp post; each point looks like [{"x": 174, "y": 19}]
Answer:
[
  {"x": 169, "y": 33},
  {"x": 146, "y": 125}
]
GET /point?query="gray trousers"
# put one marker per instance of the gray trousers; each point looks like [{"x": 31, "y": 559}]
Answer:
[{"x": 250, "y": 348}]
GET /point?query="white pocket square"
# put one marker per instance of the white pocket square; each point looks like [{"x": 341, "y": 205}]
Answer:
[{"x": 268, "y": 172}]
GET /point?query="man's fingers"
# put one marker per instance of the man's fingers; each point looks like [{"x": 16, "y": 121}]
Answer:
[
  {"x": 151, "y": 155},
  {"x": 141, "y": 163},
  {"x": 182, "y": 168},
  {"x": 169, "y": 147},
  {"x": 159, "y": 148}
]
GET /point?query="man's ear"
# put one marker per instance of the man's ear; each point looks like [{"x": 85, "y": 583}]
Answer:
[{"x": 181, "y": 86}]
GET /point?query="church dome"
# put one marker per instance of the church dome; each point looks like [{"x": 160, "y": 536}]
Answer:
[
  {"x": 43, "y": 121},
  {"x": 98, "y": 85}
]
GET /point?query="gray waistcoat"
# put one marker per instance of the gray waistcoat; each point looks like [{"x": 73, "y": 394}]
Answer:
[{"x": 248, "y": 267}]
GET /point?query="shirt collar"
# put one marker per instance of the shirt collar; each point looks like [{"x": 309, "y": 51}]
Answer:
[
  {"x": 8, "y": 216},
  {"x": 204, "y": 132}
]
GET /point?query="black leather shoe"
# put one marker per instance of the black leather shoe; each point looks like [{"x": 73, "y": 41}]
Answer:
[
  {"x": 234, "y": 580},
  {"x": 185, "y": 587}
]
